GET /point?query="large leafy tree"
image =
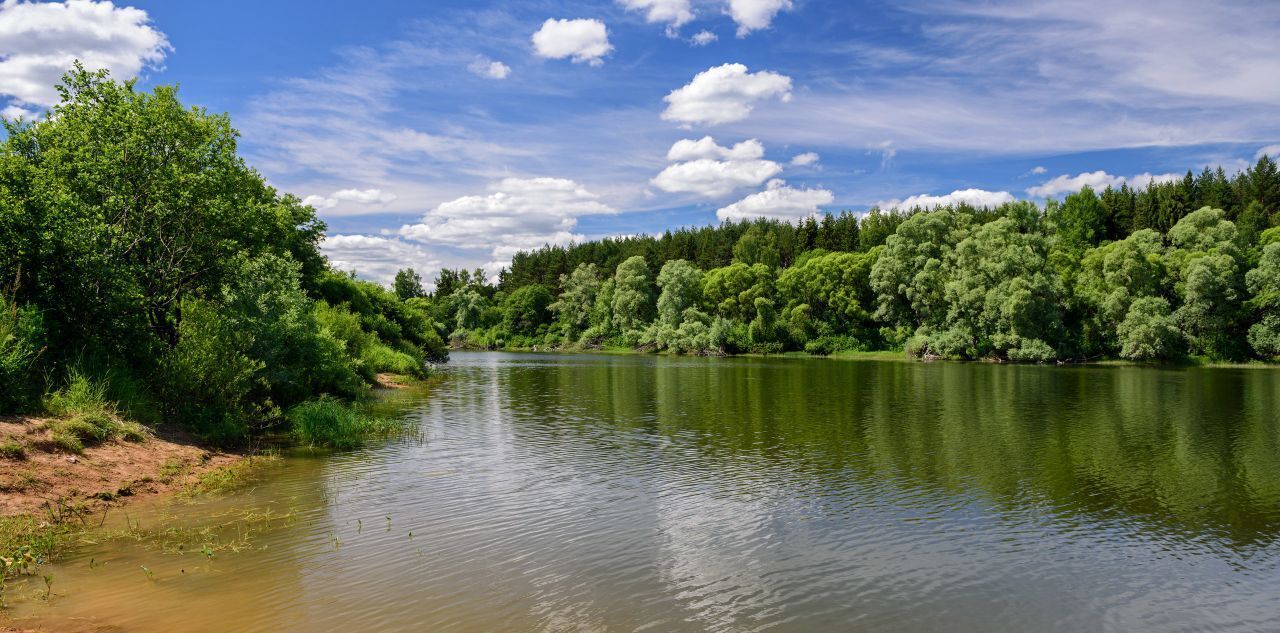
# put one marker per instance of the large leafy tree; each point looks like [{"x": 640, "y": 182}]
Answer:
[
  {"x": 122, "y": 203},
  {"x": 1111, "y": 278}
]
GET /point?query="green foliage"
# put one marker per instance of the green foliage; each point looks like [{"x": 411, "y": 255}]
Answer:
[
  {"x": 574, "y": 306},
  {"x": 20, "y": 335},
  {"x": 408, "y": 285},
  {"x": 1111, "y": 277},
  {"x": 632, "y": 299},
  {"x": 525, "y": 309},
  {"x": 1149, "y": 332},
  {"x": 145, "y": 250},
  {"x": 12, "y": 449},
  {"x": 332, "y": 424},
  {"x": 1264, "y": 286}
]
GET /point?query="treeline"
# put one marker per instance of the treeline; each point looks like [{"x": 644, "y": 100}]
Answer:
[
  {"x": 1185, "y": 267},
  {"x": 141, "y": 255}
]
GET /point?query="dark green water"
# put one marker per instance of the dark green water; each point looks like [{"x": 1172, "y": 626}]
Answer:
[{"x": 639, "y": 493}]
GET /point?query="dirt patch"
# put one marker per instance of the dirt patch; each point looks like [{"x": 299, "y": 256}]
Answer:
[
  {"x": 392, "y": 381},
  {"x": 39, "y": 473}
]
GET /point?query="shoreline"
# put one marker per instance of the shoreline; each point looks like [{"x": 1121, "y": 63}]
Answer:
[{"x": 1191, "y": 362}]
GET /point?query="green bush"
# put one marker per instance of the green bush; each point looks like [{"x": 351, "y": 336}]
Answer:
[
  {"x": 380, "y": 358},
  {"x": 331, "y": 424},
  {"x": 20, "y": 333},
  {"x": 207, "y": 381}
]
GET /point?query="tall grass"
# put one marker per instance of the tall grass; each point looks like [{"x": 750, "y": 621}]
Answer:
[
  {"x": 332, "y": 424},
  {"x": 382, "y": 358},
  {"x": 87, "y": 416}
]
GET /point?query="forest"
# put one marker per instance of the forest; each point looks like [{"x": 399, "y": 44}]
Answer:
[
  {"x": 150, "y": 275},
  {"x": 1181, "y": 269}
]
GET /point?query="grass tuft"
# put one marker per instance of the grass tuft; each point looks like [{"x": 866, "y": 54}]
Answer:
[
  {"x": 12, "y": 449},
  {"x": 332, "y": 424}
]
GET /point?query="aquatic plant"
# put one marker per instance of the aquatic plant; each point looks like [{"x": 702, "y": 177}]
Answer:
[{"x": 332, "y": 424}]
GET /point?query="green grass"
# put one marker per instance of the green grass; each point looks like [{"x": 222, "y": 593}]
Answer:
[
  {"x": 383, "y": 359},
  {"x": 332, "y": 424},
  {"x": 88, "y": 416},
  {"x": 26, "y": 542},
  {"x": 12, "y": 449}
]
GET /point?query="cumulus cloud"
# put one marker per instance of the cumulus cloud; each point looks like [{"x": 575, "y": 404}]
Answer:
[
  {"x": 377, "y": 258},
  {"x": 517, "y": 214},
  {"x": 971, "y": 197},
  {"x": 724, "y": 94},
  {"x": 1270, "y": 150},
  {"x": 674, "y": 13},
  {"x": 778, "y": 202},
  {"x": 805, "y": 159},
  {"x": 40, "y": 40},
  {"x": 1039, "y": 170},
  {"x": 354, "y": 196},
  {"x": 702, "y": 38},
  {"x": 706, "y": 147},
  {"x": 753, "y": 15},
  {"x": 1096, "y": 180},
  {"x": 490, "y": 69},
  {"x": 582, "y": 40},
  {"x": 707, "y": 169}
]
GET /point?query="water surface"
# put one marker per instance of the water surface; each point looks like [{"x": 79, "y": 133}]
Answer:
[{"x": 642, "y": 493}]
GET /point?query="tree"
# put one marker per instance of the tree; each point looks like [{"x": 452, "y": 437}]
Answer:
[
  {"x": 1207, "y": 264},
  {"x": 123, "y": 204},
  {"x": 757, "y": 246},
  {"x": 910, "y": 275},
  {"x": 1264, "y": 287},
  {"x": 525, "y": 309},
  {"x": 731, "y": 291},
  {"x": 1111, "y": 277},
  {"x": 1001, "y": 295},
  {"x": 835, "y": 289},
  {"x": 408, "y": 284},
  {"x": 632, "y": 298},
  {"x": 1148, "y": 331},
  {"x": 573, "y": 308}
]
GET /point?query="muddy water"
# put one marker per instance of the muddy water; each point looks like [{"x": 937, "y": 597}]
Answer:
[{"x": 634, "y": 493}]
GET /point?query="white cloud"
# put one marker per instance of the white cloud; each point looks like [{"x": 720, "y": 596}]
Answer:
[
  {"x": 702, "y": 38},
  {"x": 40, "y": 40},
  {"x": 971, "y": 197},
  {"x": 674, "y": 13},
  {"x": 582, "y": 40},
  {"x": 753, "y": 15},
  {"x": 518, "y": 214},
  {"x": 490, "y": 69},
  {"x": 15, "y": 112},
  {"x": 779, "y": 202},
  {"x": 706, "y": 147},
  {"x": 702, "y": 174},
  {"x": 724, "y": 94},
  {"x": 377, "y": 258},
  {"x": 1039, "y": 170},
  {"x": 805, "y": 159},
  {"x": 356, "y": 196},
  {"x": 1270, "y": 150},
  {"x": 1096, "y": 180}
]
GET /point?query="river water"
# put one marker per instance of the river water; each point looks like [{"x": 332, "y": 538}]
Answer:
[{"x": 642, "y": 493}]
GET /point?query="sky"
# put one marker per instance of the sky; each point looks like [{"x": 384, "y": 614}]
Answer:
[{"x": 456, "y": 133}]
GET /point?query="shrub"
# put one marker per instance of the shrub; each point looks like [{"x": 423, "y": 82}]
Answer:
[
  {"x": 332, "y": 424},
  {"x": 380, "y": 358},
  {"x": 207, "y": 381},
  {"x": 20, "y": 332}
]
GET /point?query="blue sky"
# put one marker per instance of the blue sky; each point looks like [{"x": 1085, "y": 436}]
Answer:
[{"x": 454, "y": 133}]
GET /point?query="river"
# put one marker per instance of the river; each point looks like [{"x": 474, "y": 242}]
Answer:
[{"x": 545, "y": 492}]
